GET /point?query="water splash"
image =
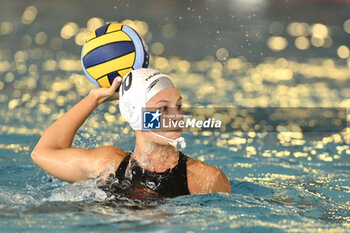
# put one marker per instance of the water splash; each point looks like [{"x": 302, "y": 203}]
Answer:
[{"x": 79, "y": 191}]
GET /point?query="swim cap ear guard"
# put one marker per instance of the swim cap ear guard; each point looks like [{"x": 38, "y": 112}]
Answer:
[
  {"x": 137, "y": 88},
  {"x": 128, "y": 110}
]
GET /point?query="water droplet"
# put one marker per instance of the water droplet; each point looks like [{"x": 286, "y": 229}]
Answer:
[{"x": 222, "y": 54}]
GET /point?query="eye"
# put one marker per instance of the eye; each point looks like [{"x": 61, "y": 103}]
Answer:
[{"x": 162, "y": 109}]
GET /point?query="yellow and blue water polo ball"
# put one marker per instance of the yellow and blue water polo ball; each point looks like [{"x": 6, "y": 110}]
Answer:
[{"x": 113, "y": 50}]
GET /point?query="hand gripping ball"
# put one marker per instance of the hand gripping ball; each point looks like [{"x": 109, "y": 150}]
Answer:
[{"x": 113, "y": 50}]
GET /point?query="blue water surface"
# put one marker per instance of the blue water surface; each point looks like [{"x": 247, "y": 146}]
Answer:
[{"x": 32, "y": 200}]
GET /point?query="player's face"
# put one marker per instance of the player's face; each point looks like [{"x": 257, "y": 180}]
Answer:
[{"x": 169, "y": 103}]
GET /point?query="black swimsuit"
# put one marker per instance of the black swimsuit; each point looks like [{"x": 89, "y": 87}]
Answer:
[{"x": 136, "y": 181}]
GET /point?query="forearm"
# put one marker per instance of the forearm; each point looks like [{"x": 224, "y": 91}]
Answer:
[
  {"x": 54, "y": 154},
  {"x": 61, "y": 133}
]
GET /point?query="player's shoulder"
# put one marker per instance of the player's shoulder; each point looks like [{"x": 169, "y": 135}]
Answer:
[
  {"x": 111, "y": 152},
  {"x": 205, "y": 178},
  {"x": 201, "y": 168}
]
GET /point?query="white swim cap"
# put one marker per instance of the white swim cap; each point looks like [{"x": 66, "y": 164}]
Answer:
[{"x": 137, "y": 88}]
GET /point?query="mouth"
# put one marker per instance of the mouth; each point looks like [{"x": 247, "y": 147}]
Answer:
[{"x": 173, "y": 130}]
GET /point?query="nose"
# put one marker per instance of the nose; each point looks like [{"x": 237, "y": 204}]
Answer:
[{"x": 176, "y": 114}]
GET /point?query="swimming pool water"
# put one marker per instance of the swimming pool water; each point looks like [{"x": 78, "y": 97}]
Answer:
[
  {"x": 268, "y": 194},
  {"x": 282, "y": 181}
]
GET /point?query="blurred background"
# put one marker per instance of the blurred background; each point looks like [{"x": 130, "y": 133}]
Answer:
[
  {"x": 242, "y": 53},
  {"x": 255, "y": 53}
]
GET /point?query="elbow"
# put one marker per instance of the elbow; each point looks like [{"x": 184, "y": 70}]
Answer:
[
  {"x": 35, "y": 156},
  {"x": 37, "y": 153}
]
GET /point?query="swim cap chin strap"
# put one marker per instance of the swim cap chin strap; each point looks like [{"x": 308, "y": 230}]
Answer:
[
  {"x": 173, "y": 142},
  {"x": 137, "y": 88}
]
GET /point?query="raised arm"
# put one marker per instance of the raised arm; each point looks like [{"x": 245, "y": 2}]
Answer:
[{"x": 54, "y": 154}]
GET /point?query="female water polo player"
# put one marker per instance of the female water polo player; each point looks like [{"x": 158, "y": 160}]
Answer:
[{"x": 154, "y": 166}]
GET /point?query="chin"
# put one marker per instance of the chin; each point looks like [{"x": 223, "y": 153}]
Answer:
[{"x": 172, "y": 134}]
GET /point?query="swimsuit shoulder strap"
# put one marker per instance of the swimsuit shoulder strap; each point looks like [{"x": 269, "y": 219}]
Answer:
[
  {"x": 182, "y": 163},
  {"x": 120, "y": 172},
  {"x": 176, "y": 182}
]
